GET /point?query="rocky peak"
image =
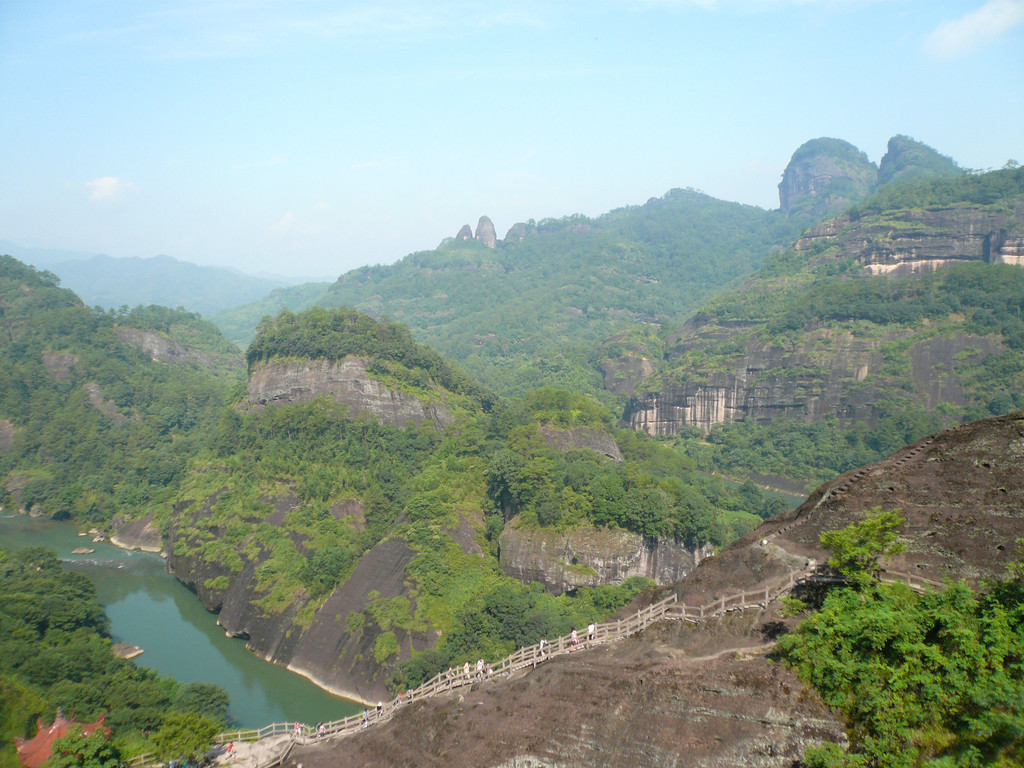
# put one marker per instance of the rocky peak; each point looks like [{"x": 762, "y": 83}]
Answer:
[
  {"x": 466, "y": 233},
  {"x": 824, "y": 177},
  {"x": 906, "y": 158},
  {"x": 485, "y": 232},
  {"x": 517, "y": 231}
]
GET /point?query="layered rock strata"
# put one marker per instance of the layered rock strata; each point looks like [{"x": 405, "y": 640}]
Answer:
[
  {"x": 827, "y": 374},
  {"x": 345, "y": 381},
  {"x": 587, "y": 557}
]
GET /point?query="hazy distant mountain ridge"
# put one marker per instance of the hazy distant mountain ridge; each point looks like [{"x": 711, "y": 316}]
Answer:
[{"x": 110, "y": 282}]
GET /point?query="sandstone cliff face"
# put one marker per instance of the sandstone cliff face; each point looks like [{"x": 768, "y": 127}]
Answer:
[
  {"x": 164, "y": 350},
  {"x": 621, "y": 374},
  {"x": 827, "y": 374},
  {"x": 921, "y": 240},
  {"x": 588, "y": 557},
  {"x": 825, "y": 176},
  {"x": 324, "y": 649},
  {"x": 517, "y": 231},
  {"x": 107, "y": 407},
  {"x": 582, "y": 438},
  {"x": 58, "y": 365},
  {"x": 7, "y": 433},
  {"x": 285, "y": 382},
  {"x": 141, "y": 534}
]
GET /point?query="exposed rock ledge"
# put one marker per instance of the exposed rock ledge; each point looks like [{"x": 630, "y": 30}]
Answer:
[
  {"x": 137, "y": 534},
  {"x": 286, "y": 382},
  {"x": 588, "y": 557},
  {"x": 582, "y": 438},
  {"x": 164, "y": 350}
]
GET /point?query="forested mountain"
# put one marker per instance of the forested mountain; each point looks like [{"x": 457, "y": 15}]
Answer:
[
  {"x": 584, "y": 303},
  {"x": 312, "y": 502},
  {"x": 531, "y": 311},
  {"x": 367, "y": 510},
  {"x": 90, "y": 425},
  {"x": 902, "y": 316}
]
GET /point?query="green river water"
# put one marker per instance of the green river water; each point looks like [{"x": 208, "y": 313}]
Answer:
[{"x": 149, "y": 608}]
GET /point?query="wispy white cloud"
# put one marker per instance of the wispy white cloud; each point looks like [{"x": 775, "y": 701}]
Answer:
[
  {"x": 959, "y": 37},
  {"x": 283, "y": 225},
  {"x": 108, "y": 189}
]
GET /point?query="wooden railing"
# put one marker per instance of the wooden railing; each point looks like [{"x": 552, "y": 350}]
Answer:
[
  {"x": 915, "y": 582},
  {"x": 533, "y": 655},
  {"x": 529, "y": 656},
  {"x": 139, "y": 761}
]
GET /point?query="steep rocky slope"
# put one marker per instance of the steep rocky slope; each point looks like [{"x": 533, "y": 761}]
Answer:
[
  {"x": 826, "y": 327},
  {"x": 825, "y": 176},
  {"x": 707, "y": 695}
]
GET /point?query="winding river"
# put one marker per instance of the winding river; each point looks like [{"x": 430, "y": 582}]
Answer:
[{"x": 149, "y": 608}]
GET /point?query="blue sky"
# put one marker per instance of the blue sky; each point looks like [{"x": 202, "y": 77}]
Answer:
[{"x": 307, "y": 138}]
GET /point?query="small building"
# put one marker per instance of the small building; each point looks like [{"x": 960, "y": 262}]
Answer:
[{"x": 35, "y": 751}]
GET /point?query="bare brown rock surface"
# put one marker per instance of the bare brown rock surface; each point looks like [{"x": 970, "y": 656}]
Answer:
[
  {"x": 707, "y": 695},
  {"x": 638, "y": 703}
]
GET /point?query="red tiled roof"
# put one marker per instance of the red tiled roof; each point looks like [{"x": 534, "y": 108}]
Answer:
[{"x": 36, "y": 751}]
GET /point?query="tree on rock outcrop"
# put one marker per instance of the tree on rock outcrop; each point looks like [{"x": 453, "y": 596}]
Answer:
[{"x": 857, "y": 548}]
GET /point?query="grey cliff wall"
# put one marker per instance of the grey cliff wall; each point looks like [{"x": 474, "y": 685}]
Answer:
[
  {"x": 581, "y": 438},
  {"x": 921, "y": 240},
  {"x": 588, "y": 557},
  {"x": 286, "y": 382},
  {"x": 825, "y": 375},
  {"x": 165, "y": 350},
  {"x": 324, "y": 650}
]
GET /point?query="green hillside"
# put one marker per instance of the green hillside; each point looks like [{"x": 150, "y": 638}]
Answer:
[
  {"x": 337, "y": 489},
  {"x": 905, "y": 353},
  {"x": 532, "y": 311},
  {"x": 91, "y": 426}
]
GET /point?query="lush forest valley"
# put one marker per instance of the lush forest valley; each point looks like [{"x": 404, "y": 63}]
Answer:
[{"x": 452, "y": 456}]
